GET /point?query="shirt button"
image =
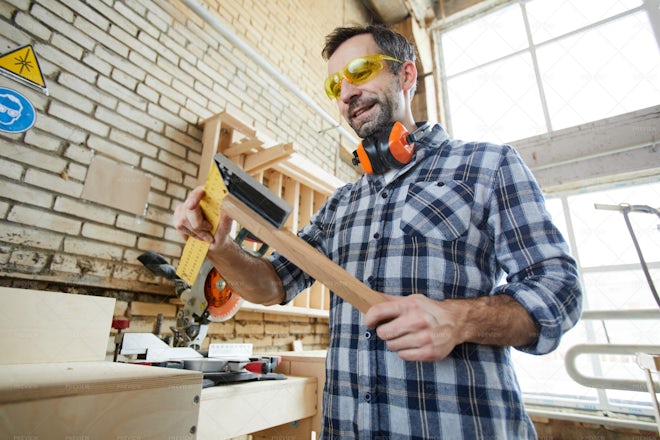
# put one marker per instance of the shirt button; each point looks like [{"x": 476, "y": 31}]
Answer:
[
  {"x": 367, "y": 335},
  {"x": 371, "y": 278},
  {"x": 376, "y": 235},
  {"x": 384, "y": 194},
  {"x": 367, "y": 397}
]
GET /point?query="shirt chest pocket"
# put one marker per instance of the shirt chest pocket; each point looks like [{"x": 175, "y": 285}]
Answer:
[{"x": 439, "y": 210}]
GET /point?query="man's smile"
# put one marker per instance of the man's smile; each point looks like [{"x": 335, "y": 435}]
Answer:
[{"x": 357, "y": 110}]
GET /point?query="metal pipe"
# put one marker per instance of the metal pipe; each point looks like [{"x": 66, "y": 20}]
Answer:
[
  {"x": 601, "y": 382},
  {"x": 272, "y": 71}
]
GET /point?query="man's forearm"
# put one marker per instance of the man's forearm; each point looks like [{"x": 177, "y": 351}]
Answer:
[
  {"x": 498, "y": 320},
  {"x": 251, "y": 277}
]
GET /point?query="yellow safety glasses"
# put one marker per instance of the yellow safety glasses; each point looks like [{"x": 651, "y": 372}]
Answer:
[{"x": 357, "y": 71}]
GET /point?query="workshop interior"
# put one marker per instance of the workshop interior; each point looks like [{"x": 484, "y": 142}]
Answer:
[{"x": 112, "y": 111}]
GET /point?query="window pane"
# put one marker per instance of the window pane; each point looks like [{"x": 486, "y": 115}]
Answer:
[
  {"x": 602, "y": 239},
  {"x": 543, "y": 379},
  {"x": 623, "y": 290},
  {"x": 484, "y": 39},
  {"x": 602, "y": 72},
  {"x": 602, "y": 236},
  {"x": 552, "y": 18},
  {"x": 498, "y": 103}
]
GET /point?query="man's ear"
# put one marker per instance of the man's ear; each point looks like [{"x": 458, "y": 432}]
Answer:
[{"x": 409, "y": 76}]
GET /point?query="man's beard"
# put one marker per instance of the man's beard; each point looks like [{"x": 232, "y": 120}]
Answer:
[{"x": 382, "y": 120}]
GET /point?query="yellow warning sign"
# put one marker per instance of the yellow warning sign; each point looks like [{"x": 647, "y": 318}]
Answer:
[{"x": 22, "y": 64}]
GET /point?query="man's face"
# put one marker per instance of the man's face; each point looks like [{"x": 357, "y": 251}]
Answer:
[{"x": 370, "y": 106}]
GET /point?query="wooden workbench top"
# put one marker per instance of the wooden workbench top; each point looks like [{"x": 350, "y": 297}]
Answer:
[{"x": 20, "y": 383}]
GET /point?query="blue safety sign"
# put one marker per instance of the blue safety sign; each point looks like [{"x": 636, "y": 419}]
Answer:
[{"x": 16, "y": 112}]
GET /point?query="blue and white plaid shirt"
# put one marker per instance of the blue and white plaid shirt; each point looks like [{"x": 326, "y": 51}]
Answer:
[{"x": 448, "y": 225}]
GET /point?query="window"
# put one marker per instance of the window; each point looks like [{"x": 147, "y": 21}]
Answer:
[
  {"x": 536, "y": 66},
  {"x": 612, "y": 280},
  {"x": 531, "y": 67}
]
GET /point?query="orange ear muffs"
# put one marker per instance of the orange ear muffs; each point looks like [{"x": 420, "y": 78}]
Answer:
[{"x": 392, "y": 147}]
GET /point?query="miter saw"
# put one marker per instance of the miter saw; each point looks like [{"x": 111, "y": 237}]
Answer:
[{"x": 209, "y": 299}]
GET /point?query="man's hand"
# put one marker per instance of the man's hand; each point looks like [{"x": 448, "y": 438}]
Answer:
[
  {"x": 422, "y": 329},
  {"x": 189, "y": 221},
  {"x": 251, "y": 277},
  {"x": 417, "y": 327}
]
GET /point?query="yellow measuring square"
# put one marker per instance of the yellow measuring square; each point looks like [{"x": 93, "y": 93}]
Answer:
[{"x": 195, "y": 250}]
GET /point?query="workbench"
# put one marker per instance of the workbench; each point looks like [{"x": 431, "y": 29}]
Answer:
[
  {"x": 97, "y": 399},
  {"x": 56, "y": 383},
  {"x": 228, "y": 411}
]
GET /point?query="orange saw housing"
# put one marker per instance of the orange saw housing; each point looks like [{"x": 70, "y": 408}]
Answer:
[{"x": 223, "y": 303}]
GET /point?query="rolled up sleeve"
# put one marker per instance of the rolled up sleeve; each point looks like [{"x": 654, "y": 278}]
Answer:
[{"x": 541, "y": 274}]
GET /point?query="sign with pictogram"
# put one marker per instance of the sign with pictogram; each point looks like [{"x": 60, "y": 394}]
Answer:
[
  {"x": 21, "y": 64},
  {"x": 16, "y": 112}
]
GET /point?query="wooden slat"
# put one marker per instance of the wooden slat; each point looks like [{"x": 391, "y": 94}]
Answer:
[
  {"x": 292, "y": 196},
  {"x": 138, "y": 308},
  {"x": 316, "y": 296},
  {"x": 97, "y": 400},
  {"x": 210, "y": 142},
  {"x": 276, "y": 182},
  {"x": 231, "y": 411},
  {"x": 230, "y": 121},
  {"x": 267, "y": 158},
  {"x": 305, "y": 202},
  {"x": 247, "y": 145},
  {"x": 304, "y": 256}
]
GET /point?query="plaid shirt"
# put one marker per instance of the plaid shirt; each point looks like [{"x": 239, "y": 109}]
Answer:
[{"x": 448, "y": 225}]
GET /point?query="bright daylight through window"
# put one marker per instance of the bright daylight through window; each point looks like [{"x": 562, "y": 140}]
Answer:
[
  {"x": 533, "y": 67},
  {"x": 543, "y": 65}
]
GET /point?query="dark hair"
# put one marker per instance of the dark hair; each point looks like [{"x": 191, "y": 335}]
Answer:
[{"x": 389, "y": 42}]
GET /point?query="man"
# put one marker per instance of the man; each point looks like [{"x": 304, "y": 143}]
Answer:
[{"x": 434, "y": 234}]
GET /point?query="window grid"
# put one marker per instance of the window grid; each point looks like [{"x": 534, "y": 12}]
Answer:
[{"x": 552, "y": 112}]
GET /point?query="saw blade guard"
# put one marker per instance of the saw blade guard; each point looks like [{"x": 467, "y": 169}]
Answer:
[{"x": 211, "y": 295}]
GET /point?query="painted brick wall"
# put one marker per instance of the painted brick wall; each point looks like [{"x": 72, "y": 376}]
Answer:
[{"x": 132, "y": 81}]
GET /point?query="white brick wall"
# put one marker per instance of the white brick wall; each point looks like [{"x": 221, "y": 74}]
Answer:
[{"x": 132, "y": 81}]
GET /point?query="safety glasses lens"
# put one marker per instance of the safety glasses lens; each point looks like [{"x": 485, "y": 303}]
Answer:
[
  {"x": 333, "y": 86},
  {"x": 362, "y": 70},
  {"x": 357, "y": 71}
]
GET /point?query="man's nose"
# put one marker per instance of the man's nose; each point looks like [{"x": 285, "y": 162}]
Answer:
[{"x": 348, "y": 90}]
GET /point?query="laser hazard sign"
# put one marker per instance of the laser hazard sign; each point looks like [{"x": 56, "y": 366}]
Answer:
[{"x": 21, "y": 64}]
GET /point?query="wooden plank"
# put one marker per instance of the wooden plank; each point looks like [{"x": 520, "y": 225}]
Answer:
[
  {"x": 306, "y": 364},
  {"x": 285, "y": 310},
  {"x": 304, "y": 256},
  {"x": 300, "y": 430},
  {"x": 309, "y": 174},
  {"x": 316, "y": 296},
  {"x": 245, "y": 146},
  {"x": 291, "y": 194},
  {"x": 210, "y": 143},
  {"x": 231, "y": 411},
  {"x": 39, "y": 326},
  {"x": 138, "y": 308},
  {"x": 63, "y": 379},
  {"x": 98, "y": 400},
  {"x": 304, "y": 201},
  {"x": 230, "y": 121},
  {"x": 275, "y": 182},
  {"x": 303, "y": 299},
  {"x": 267, "y": 158}
]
